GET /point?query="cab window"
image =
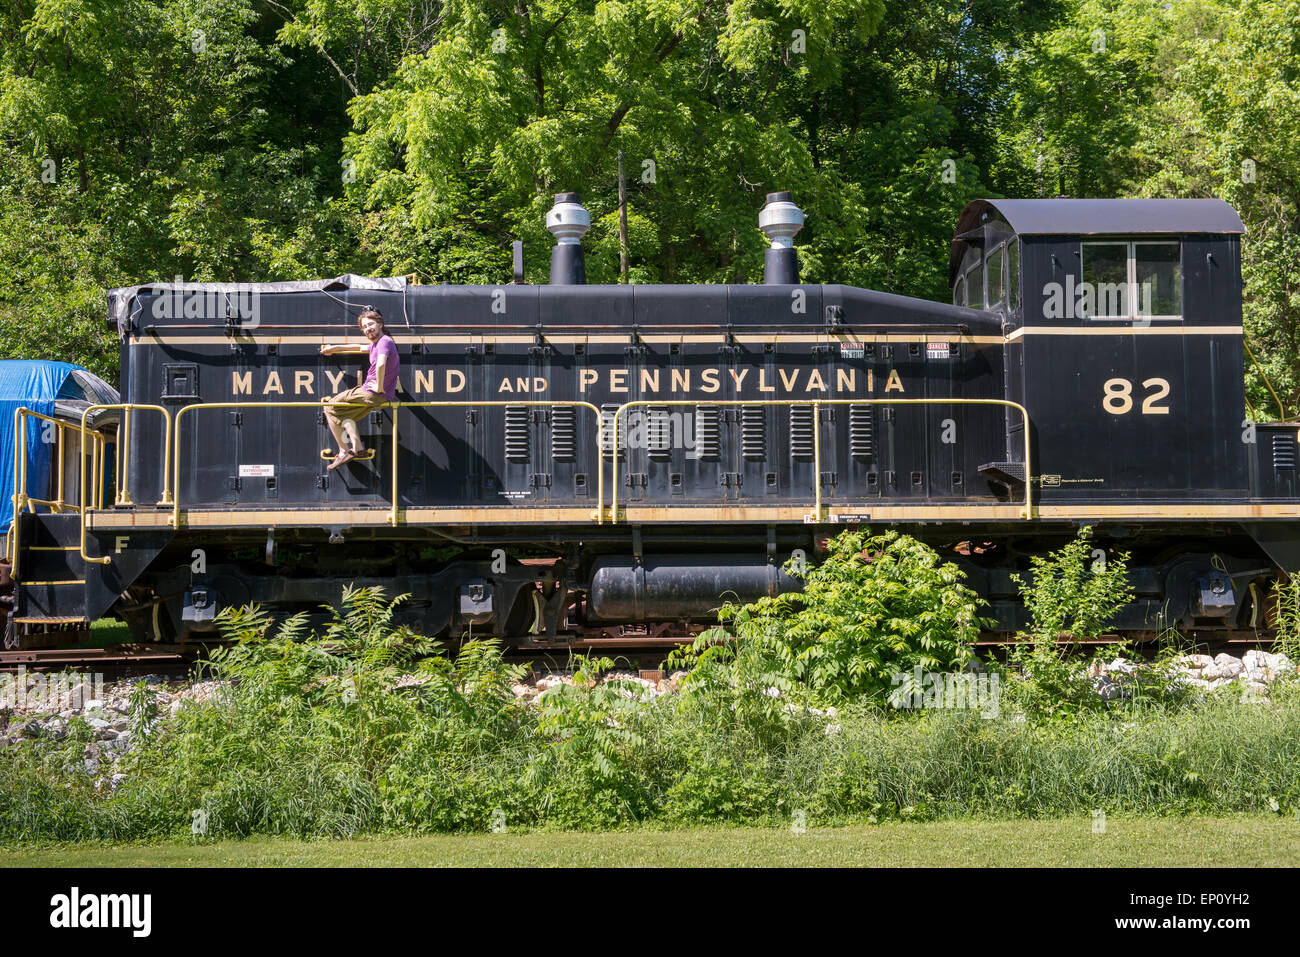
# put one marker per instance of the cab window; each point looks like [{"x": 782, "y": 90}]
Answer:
[
  {"x": 995, "y": 280},
  {"x": 1131, "y": 279},
  {"x": 975, "y": 284},
  {"x": 1013, "y": 275}
]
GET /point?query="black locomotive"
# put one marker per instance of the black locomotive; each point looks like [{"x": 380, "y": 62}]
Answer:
[{"x": 573, "y": 463}]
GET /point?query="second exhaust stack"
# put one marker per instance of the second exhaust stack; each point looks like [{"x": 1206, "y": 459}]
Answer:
[
  {"x": 568, "y": 221},
  {"x": 780, "y": 220}
]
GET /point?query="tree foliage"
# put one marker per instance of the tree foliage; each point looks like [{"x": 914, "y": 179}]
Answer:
[{"x": 1191, "y": 99}]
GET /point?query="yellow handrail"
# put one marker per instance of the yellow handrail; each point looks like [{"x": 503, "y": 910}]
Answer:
[
  {"x": 541, "y": 403},
  {"x": 1263, "y": 375},
  {"x": 393, "y": 513},
  {"x": 172, "y": 457},
  {"x": 58, "y": 502},
  {"x": 122, "y": 494},
  {"x": 176, "y": 435},
  {"x": 20, "y": 454},
  {"x": 21, "y": 500},
  {"x": 123, "y": 466},
  {"x": 816, "y": 405},
  {"x": 124, "y": 446}
]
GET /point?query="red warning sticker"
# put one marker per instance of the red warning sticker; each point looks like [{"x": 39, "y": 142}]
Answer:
[{"x": 936, "y": 350}]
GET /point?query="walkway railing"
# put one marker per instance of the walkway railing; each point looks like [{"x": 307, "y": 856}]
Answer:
[
  {"x": 394, "y": 512},
  {"x": 24, "y": 502},
  {"x": 601, "y": 437},
  {"x": 816, "y": 405},
  {"x": 123, "y": 473}
]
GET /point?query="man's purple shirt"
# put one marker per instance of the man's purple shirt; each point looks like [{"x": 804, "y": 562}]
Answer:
[{"x": 383, "y": 346}]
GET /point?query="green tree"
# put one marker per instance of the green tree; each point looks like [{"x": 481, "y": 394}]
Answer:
[
  {"x": 710, "y": 102},
  {"x": 1189, "y": 99},
  {"x": 146, "y": 139}
]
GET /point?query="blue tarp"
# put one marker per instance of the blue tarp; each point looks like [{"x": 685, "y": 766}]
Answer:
[{"x": 35, "y": 385}]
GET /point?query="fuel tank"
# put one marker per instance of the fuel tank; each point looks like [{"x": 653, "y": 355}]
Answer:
[{"x": 680, "y": 586}]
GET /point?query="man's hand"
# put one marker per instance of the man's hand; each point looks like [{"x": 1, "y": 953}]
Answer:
[{"x": 328, "y": 350}]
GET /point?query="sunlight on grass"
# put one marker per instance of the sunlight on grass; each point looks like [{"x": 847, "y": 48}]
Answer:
[{"x": 1246, "y": 841}]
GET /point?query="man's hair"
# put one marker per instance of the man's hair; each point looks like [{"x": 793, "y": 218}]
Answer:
[{"x": 370, "y": 314}]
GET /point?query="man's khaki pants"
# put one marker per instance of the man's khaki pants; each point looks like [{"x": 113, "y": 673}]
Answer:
[{"x": 367, "y": 401}]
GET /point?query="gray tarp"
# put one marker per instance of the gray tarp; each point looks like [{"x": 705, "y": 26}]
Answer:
[{"x": 120, "y": 300}]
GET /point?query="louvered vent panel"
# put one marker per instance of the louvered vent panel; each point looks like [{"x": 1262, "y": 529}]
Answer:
[
  {"x": 860, "y": 431},
  {"x": 564, "y": 433},
  {"x": 607, "y": 439},
  {"x": 658, "y": 427},
  {"x": 1284, "y": 452},
  {"x": 801, "y": 432},
  {"x": 753, "y": 432},
  {"x": 517, "y": 433},
  {"x": 707, "y": 441}
]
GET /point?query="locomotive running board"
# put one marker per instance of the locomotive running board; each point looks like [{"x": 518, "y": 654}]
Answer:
[{"x": 876, "y": 510}]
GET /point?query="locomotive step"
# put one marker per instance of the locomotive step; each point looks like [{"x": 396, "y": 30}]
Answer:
[
  {"x": 1005, "y": 471},
  {"x": 327, "y": 455}
]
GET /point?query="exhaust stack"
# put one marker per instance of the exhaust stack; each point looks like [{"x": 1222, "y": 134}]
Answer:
[
  {"x": 780, "y": 220},
  {"x": 568, "y": 220}
]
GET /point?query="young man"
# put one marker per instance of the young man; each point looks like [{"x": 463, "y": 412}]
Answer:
[{"x": 379, "y": 387}]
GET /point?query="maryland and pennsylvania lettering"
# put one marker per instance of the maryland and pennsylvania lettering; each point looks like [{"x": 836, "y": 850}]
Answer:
[{"x": 783, "y": 381}]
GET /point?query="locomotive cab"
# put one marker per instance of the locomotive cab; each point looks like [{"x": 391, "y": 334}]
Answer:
[{"x": 1124, "y": 340}]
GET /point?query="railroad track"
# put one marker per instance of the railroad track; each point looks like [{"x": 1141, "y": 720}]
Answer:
[
  {"x": 119, "y": 660},
  {"x": 635, "y": 651}
]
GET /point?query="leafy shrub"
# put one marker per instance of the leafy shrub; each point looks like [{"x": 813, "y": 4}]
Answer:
[
  {"x": 1069, "y": 596},
  {"x": 1286, "y": 597},
  {"x": 1071, "y": 593},
  {"x": 878, "y": 606},
  {"x": 349, "y": 732},
  {"x": 588, "y": 734}
]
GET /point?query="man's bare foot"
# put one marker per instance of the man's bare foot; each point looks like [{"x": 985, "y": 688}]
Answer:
[{"x": 343, "y": 458}]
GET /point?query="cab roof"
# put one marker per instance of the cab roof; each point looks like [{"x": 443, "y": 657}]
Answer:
[{"x": 1084, "y": 217}]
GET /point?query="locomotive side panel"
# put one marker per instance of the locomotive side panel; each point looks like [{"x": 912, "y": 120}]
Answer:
[{"x": 1133, "y": 409}]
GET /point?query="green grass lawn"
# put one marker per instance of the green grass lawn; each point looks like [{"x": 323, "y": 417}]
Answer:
[
  {"x": 108, "y": 631},
  {"x": 1141, "y": 842}
]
